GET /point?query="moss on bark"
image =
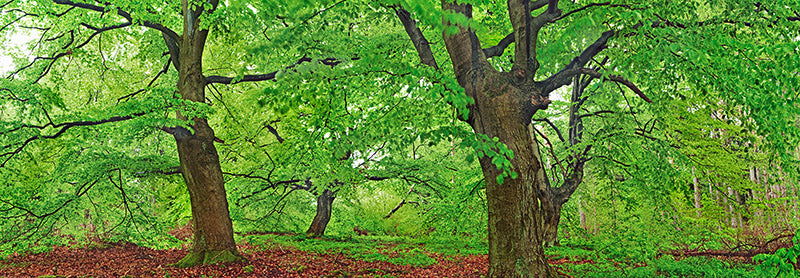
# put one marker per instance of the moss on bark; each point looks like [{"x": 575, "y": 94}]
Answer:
[{"x": 209, "y": 257}]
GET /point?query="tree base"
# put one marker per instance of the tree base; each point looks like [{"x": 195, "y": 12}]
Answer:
[{"x": 209, "y": 257}]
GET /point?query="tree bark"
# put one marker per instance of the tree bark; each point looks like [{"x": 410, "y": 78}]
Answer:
[
  {"x": 503, "y": 109},
  {"x": 212, "y": 241},
  {"x": 324, "y": 209},
  {"x": 582, "y": 216},
  {"x": 698, "y": 197},
  {"x": 552, "y": 218}
]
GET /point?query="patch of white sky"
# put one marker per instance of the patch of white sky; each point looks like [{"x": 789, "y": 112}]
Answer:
[{"x": 14, "y": 45}]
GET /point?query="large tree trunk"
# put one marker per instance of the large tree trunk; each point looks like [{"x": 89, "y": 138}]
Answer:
[
  {"x": 324, "y": 208},
  {"x": 212, "y": 241},
  {"x": 515, "y": 212},
  {"x": 504, "y": 105}
]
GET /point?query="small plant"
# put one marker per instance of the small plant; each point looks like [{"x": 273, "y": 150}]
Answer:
[{"x": 783, "y": 263}]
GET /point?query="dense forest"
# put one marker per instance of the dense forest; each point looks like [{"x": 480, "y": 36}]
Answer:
[{"x": 399, "y": 138}]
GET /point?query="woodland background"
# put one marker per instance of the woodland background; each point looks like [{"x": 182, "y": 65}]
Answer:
[{"x": 673, "y": 148}]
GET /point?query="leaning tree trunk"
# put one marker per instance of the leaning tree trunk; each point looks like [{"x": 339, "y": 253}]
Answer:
[
  {"x": 324, "y": 208},
  {"x": 212, "y": 241},
  {"x": 555, "y": 197}
]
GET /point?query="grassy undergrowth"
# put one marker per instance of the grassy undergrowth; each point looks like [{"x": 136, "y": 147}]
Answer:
[
  {"x": 397, "y": 250},
  {"x": 576, "y": 261}
]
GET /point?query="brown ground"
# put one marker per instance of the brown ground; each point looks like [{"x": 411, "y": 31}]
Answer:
[{"x": 121, "y": 260}]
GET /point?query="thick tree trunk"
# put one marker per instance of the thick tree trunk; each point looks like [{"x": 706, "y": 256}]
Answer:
[
  {"x": 515, "y": 208},
  {"x": 212, "y": 241},
  {"x": 503, "y": 108},
  {"x": 515, "y": 216},
  {"x": 324, "y": 208}
]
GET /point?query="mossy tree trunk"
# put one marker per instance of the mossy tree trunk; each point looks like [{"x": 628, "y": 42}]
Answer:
[
  {"x": 503, "y": 108},
  {"x": 524, "y": 211},
  {"x": 521, "y": 210},
  {"x": 212, "y": 241}
]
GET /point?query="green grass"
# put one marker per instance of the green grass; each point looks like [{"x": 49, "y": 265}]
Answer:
[
  {"x": 418, "y": 253},
  {"x": 396, "y": 250}
]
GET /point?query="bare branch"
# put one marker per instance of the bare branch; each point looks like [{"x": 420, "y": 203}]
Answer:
[
  {"x": 399, "y": 205},
  {"x": 274, "y": 132}
]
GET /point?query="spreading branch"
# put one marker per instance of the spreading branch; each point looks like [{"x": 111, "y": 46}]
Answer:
[
  {"x": 564, "y": 77},
  {"x": 501, "y": 46},
  {"x": 272, "y": 75},
  {"x": 63, "y": 127},
  {"x": 153, "y": 25},
  {"x": 417, "y": 38}
]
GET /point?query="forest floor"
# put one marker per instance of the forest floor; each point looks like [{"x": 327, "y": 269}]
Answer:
[
  {"x": 129, "y": 260},
  {"x": 271, "y": 255}
]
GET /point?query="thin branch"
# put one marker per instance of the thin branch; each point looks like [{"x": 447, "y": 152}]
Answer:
[
  {"x": 552, "y": 152},
  {"x": 321, "y": 11},
  {"x": 64, "y": 127},
  {"x": 400, "y": 205},
  {"x": 163, "y": 71},
  {"x": 558, "y": 132},
  {"x": 598, "y": 113},
  {"x": 595, "y": 5},
  {"x": 153, "y": 25}
]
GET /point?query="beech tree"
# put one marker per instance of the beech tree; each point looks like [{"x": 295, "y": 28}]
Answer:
[
  {"x": 68, "y": 31},
  {"x": 709, "y": 47},
  {"x": 508, "y": 92}
]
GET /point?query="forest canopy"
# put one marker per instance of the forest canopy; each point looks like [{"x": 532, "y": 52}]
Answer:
[{"x": 526, "y": 131}]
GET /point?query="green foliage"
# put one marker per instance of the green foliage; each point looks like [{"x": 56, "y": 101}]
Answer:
[
  {"x": 395, "y": 250},
  {"x": 499, "y": 154},
  {"x": 782, "y": 263},
  {"x": 380, "y": 129}
]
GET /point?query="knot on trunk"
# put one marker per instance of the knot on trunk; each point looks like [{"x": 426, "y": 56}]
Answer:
[{"x": 540, "y": 102}]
